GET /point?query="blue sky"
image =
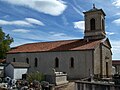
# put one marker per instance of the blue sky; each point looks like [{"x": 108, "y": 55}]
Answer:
[{"x": 30, "y": 21}]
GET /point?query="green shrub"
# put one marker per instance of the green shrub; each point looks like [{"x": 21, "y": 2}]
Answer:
[{"x": 35, "y": 76}]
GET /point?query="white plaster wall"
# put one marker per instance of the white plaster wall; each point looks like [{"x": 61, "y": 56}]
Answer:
[
  {"x": 18, "y": 72},
  {"x": 1, "y": 67}
]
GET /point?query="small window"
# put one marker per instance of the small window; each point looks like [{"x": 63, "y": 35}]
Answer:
[
  {"x": 36, "y": 61},
  {"x": 72, "y": 62},
  {"x": 27, "y": 60},
  {"x": 13, "y": 59},
  {"x": 56, "y": 62},
  {"x": 92, "y": 24}
]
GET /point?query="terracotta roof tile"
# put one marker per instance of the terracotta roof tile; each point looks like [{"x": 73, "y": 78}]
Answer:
[
  {"x": 65, "y": 45},
  {"x": 116, "y": 62}
]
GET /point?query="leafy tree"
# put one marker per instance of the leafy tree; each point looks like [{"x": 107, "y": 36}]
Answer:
[{"x": 5, "y": 41}]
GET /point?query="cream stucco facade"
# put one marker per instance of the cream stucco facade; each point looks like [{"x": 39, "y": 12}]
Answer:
[{"x": 46, "y": 62}]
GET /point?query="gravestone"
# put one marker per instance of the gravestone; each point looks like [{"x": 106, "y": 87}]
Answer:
[{"x": 57, "y": 78}]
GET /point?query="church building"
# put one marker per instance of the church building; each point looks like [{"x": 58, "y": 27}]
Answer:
[{"x": 79, "y": 58}]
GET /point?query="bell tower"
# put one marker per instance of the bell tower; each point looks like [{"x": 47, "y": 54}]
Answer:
[{"x": 94, "y": 24}]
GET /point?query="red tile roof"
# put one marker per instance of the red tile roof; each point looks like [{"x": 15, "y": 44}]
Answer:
[
  {"x": 65, "y": 45},
  {"x": 116, "y": 62}
]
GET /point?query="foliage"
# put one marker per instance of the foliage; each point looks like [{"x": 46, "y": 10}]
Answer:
[
  {"x": 35, "y": 76},
  {"x": 5, "y": 41}
]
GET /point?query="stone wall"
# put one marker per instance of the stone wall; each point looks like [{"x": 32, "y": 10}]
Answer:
[
  {"x": 82, "y": 85},
  {"x": 97, "y": 65},
  {"x": 106, "y": 58},
  {"x": 57, "y": 78}
]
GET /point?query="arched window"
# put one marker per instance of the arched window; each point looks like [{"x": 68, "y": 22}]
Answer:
[
  {"x": 27, "y": 60},
  {"x": 13, "y": 59},
  {"x": 36, "y": 61},
  {"x": 56, "y": 62},
  {"x": 72, "y": 62},
  {"x": 107, "y": 68},
  {"x": 92, "y": 24},
  {"x": 103, "y": 26}
]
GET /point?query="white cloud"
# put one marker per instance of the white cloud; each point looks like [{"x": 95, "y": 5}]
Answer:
[
  {"x": 117, "y": 21},
  {"x": 21, "y": 30},
  {"x": 18, "y": 22},
  {"x": 6, "y": 16},
  {"x": 40, "y": 36},
  {"x": 34, "y": 21},
  {"x": 115, "y": 45},
  {"x": 18, "y": 42},
  {"x": 65, "y": 22},
  {"x": 60, "y": 36},
  {"x": 77, "y": 10},
  {"x": 116, "y": 3},
  {"x": 117, "y": 14},
  {"x": 79, "y": 25},
  {"x": 61, "y": 1},
  {"x": 26, "y": 22},
  {"x": 115, "y": 48},
  {"x": 52, "y": 7},
  {"x": 51, "y": 32},
  {"x": 110, "y": 33},
  {"x": 57, "y": 34}
]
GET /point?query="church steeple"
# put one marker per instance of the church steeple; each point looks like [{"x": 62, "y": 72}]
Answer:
[{"x": 94, "y": 24}]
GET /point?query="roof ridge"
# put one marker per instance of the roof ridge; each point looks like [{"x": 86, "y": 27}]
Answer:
[{"x": 61, "y": 45}]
